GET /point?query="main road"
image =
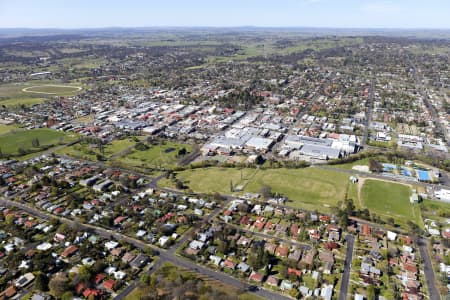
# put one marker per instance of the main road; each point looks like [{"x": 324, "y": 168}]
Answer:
[{"x": 369, "y": 101}]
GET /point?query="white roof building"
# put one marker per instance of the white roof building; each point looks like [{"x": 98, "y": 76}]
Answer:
[
  {"x": 259, "y": 143},
  {"x": 392, "y": 236},
  {"x": 442, "y": 194}
]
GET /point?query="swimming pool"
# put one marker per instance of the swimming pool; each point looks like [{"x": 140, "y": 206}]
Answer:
[
  {"x": 406, "y": 172},
  {"x": 388, "y": 167},
  {"x": 423, "y": 175}
]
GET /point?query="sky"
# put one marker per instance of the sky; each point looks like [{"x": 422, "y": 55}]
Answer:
[{"x": 225, "y": 13}]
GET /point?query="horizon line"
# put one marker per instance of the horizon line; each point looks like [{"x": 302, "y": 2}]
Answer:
[{"x": 221, "y": 27}]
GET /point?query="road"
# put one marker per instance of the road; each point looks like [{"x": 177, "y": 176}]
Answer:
[
  {"x": 165, "y": 256},
  {"x": 432, "y": 110},
  {"x": 347, "y": 267},
  {"x": 433, "y": 293},
  {"x": 369, "y": 101}
]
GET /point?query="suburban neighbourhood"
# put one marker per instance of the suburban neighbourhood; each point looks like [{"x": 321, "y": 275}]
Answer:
[{"x": 224, "y": 163}]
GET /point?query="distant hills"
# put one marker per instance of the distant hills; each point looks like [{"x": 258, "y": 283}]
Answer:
[{"x": 307, "y": 31}]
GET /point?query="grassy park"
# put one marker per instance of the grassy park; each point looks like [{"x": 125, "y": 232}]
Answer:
[
  {"x": 25, "y": 101},
  {"x": 14, "y": 140},
  {"x": 168, "y": 273},
  {"x": 435, "y": 210},
  {"x": 160, "y": 155},
  {"x": 124, "y": 152},
  {"x": 6, "y": 128}
]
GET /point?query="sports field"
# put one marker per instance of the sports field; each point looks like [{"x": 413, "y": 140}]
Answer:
[
  {"x": 209, "y": 180},
  {"x": 36, "y": 91},
  {"x": 308, "y": 188},
  {"x": 390, "y": 200},
  {"x": 52, "y": 89}
]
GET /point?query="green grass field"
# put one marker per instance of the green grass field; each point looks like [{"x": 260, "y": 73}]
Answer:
[
  {"x": 308, "y": 188},
  {"x": 390, "y": 200},
  {"x": 33, "y": 92},
  {"x": 210, "y": 180},
  {"x": 12, "y": 141},
  {"x": 21, "y": 101},
  {"x": 161, "y": 155},
  {"x": 435, "y": 210},
  {"x": 6, "y": 128},
  {"x": 83, "y": 150},
  {"x": 123, "y": 152}
]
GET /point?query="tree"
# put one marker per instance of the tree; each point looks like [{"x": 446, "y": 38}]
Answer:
[
  {"x": 58, "y": 285},
  {"x": 179, "y": 184},
  {"x": 349, "y": 207},
  {"x": 101, "y": 147},
  {"x": 98, "y": 266},
  {"x": 375, "y": 166},
  {"x": 391, "y": 221},
  {"x": 371, "y": 292},
  {"x": 9, "y": 219},
  {"x": 35, "y": 142},
  {"x": 67, "y": 296},
  {"x": 222, "y": 247},
  {"x": 21, "y": 150},
  {"x": 343, "y": 219},
  {"x": 265, "y": 258},
  {"x": 41, "y": 282},
  {"x": 284, "y": 271},
  {"x": 265, "y": 191},
  {"x": 85, "y": 272},
  {"x": 182, "y": 152},
  {"x": 140, "y": 146}
]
